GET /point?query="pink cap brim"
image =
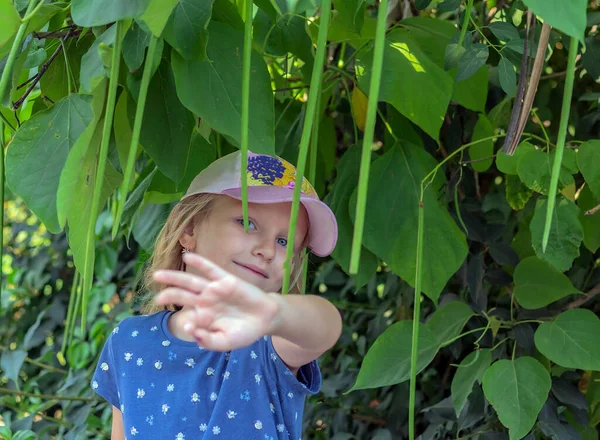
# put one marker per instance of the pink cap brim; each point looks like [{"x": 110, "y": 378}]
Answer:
[{"x": 323, "y": 231}]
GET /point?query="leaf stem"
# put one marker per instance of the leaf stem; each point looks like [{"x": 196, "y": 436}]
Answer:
[
  {"x": 135, "y": 135},
  {"x": 30, "y": 15},
  {"x": 365, "y": 163},
  {"x": 88, "y": 270},
  {"x": 315, "y": 84},
  {"x": 562, "y": 134}
]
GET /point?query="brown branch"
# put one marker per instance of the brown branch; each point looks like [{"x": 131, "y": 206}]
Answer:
[
  {"x": 594, "y": 291},
  {"x": 593, "y": 210},
  {"x": 559, "y": 74},
  {"x": 373, "y": 420},
  {"x": 37, "y": 77},
  {"x": 56, "y": 34}
]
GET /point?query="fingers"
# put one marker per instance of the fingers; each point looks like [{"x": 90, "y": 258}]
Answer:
[
  {"x": 215, "y": 341},
  {"x": 181, "y": 279},
  {"x": 206, "y": 267}
]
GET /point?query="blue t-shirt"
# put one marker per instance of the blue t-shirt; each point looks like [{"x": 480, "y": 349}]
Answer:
[{"x": 168, "y": 388}]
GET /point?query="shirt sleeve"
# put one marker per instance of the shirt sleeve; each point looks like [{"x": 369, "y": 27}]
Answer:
[
  {"x": 104, "y": 381},
  {"x": 307, "y": 381}
]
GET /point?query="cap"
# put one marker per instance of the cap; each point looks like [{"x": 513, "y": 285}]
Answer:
[{"x": 270, "y": 179}]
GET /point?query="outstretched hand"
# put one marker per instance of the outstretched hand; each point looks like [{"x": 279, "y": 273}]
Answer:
[{"x": 229, "y": 312}]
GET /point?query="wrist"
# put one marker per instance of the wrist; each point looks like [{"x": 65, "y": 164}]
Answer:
[{"x": 278, "y": 316}]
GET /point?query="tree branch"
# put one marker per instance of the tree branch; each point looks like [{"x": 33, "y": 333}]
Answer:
[
  {"x": 593, "y": 210},
  {"x": 37, "y": 77},
  {"x": 594, "y": 291}
]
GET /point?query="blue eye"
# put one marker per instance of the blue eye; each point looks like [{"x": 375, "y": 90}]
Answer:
[
  {"x": 251, "y": 224},
  {"x": 282, "y": 242}
]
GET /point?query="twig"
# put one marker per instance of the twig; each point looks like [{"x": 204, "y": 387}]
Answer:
[
  {"x": 477, "y": 160},
  {"x": 594, "y": 291},
  {"x": 285, "y": 89},
  {"x": 558, "y": 74},
  {"x": 43, "y": 69},
  {"x": 56, "y": 34},
  {"x": 593, "y": 210},
  {"x": 373, "y": 420}
]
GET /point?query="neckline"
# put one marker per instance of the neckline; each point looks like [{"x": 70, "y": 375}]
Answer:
[{"x": 172, "y": 338}]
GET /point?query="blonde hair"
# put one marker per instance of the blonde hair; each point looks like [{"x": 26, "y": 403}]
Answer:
[{"x": 167, "y": 253}]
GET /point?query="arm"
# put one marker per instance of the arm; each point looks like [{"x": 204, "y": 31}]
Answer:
[
  {"x": 304, "y": 327},
  {"x": 118, "y": 432}
]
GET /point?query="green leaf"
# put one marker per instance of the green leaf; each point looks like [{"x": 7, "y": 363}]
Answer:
[
  {"x": 98, "y": 12},
  {"x": 472, "y": 94},
  {"x": 167, "y": 125},
  {"x": 422, "y": 93},
  {"x": 157, "y": 14},
  {"x": 591, "y": 57},
  {"x": 338, "y": 200},
  {"x": 288, "y": 36},
  {"x": 535, "y": 170},
  {"x": 49, "y": 134},
  {"x": 422, "y": 4},
  {"x": 509, "y": 164},
  {"x": 351, "y": 14},
  {"x": 448, "y": 321},
  {"x": 9, "y": 21},
  {"x": 590, "y": 223},
  {"x": 391, "y": 219},
  {"x": 471, "y": 369},
  {"x": 135, "y": 43},
  {"x": 92, "y": 68},
  {"x": 571, "y": 340},
  {"x": 507, "y": 77},
  {"x": 483, "y": 150},
  {"x": 517, "y": 194},
  {"x": 475, "y": 57},
  {"x": 79, "y": 177},
  {"x": 186, "y": 29},
  {"x": 453, "y": 54},
  {"x": 504, "y": 31},
  {"x": 588, "y": 160},
  {"x": 517, "y": 390},
  {"x": 568, "y": 17},
  {"x": 388, "y": 360},
  {"x": 11, "y": 363},
  {"x": 54, "y": 82},
  {"x": 566, "y": 233},
  {"x": 538, "y": 283},
  {"x": 219, "y": 100}
]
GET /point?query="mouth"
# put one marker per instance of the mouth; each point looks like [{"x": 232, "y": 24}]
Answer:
[{"x": 251, "y": 268}]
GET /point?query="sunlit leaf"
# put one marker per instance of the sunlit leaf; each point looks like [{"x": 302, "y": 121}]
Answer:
[
  {"x": 568, "y": 17},
  {"x": 49, "y": 134},
  {"x": 98, "y": 12}
]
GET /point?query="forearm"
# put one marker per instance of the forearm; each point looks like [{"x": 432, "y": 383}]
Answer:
[{"x": 309, "y": 321}]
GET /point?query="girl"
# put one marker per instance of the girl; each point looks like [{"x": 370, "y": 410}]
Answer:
[{"x": 219, "y": 353}]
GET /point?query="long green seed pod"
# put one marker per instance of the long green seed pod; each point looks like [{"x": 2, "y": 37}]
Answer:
[
  {"x": 416, "y": 319},
  {"x": 88, "y": 269},
  {"x": 246, "y": 105},
  {"x": 313, "y": 95},
  {"x": 135, "y": 136},
  {"x": 365, "y": 162},
  {"x": 562, "y": 134}
]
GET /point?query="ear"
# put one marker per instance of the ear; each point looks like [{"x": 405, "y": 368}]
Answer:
[{"x": 187, "y": 239}]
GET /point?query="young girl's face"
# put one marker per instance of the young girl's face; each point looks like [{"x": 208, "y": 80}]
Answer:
[{"x": 256, "y": 256}]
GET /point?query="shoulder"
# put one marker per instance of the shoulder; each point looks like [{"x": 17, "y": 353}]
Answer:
[{"x": 139, "y": 325}]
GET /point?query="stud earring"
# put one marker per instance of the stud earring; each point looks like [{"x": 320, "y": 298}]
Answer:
[{"x": 185, "y": 250}]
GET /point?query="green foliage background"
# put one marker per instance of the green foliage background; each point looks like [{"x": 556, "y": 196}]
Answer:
[{"x": 508, "y": 330}]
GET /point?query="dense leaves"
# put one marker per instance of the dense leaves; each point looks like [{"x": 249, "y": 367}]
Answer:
[{"x": 508, "y": 329}]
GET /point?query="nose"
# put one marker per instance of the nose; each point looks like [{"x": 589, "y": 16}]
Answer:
[{"x": 264, "y": 247}]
